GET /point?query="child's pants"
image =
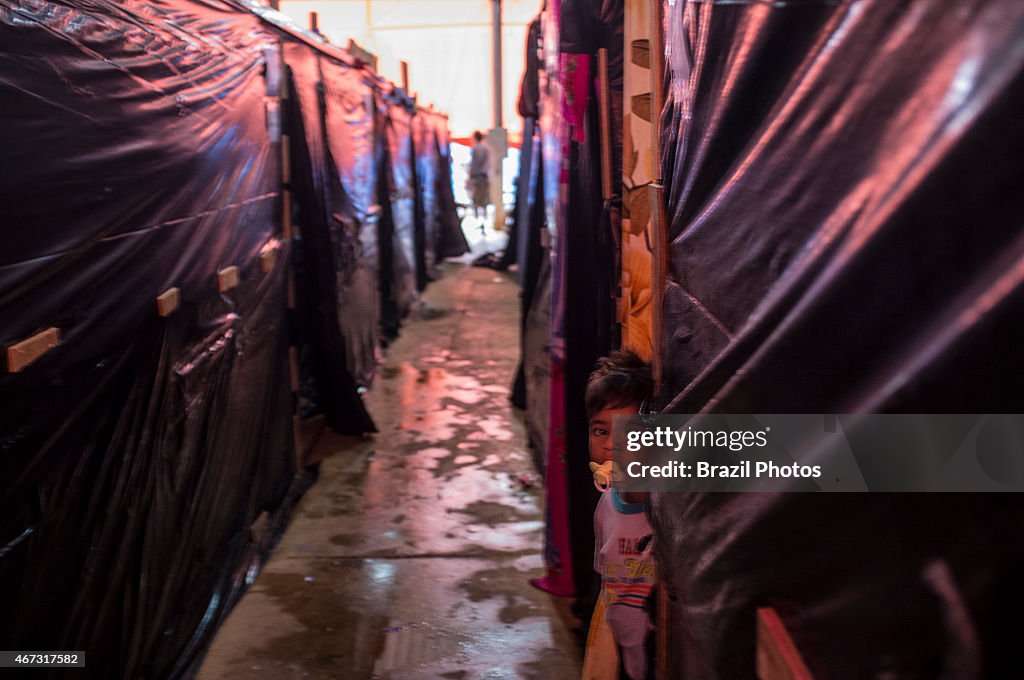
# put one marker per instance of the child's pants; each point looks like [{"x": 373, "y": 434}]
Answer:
[{"x": 601, "y": 660}]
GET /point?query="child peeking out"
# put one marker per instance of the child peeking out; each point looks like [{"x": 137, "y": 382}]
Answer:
[{"x": 623, "y": 554}]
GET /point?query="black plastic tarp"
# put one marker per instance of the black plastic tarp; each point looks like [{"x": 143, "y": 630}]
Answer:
[
  {"x": 398, "y": 220},
  {"x": 350, "y": 129},
  {"x": 404, "y": 205},
  {"x": 846, "y": 237},
  {"x": 334, "y": 185},
  {"x": 450, "y": 241},
  {"x": 425, "y": 166},
  {"x": 591, "y": 280},
  {"x": 148, "y": 461},
  {"x": 442, "y": 233},
  {"x": 138, "y": 453}
]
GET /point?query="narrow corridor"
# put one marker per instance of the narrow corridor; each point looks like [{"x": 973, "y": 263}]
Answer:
[{"x": 411, "y": 556}]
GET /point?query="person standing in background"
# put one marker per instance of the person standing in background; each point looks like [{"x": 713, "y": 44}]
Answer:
[{"x": 480, "y": 175}]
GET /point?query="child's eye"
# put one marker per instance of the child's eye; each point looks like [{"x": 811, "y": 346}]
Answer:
[{"x": 599, "y": 432}]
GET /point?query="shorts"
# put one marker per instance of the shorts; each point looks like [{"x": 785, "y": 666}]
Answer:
[{"x": 480, "y": 192}]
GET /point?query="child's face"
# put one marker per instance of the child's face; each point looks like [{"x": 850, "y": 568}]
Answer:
[{"x": 601, "y": 431}]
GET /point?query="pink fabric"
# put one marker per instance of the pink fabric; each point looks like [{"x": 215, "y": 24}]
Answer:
[
  {"x": 557, "y": 548},
  {"x": 574, "y": 70}
]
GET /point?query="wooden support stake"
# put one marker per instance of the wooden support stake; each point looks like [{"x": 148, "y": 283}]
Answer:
[
  {"x": 314, "y": 22},
  {"x": 405, "y": 75},
  {"x": 659, "y": 276},
  {"x": 168, "y": 302},
  {"x": 363, "y": 56},
  {"x": 21, "y": 354},
  {"x": 268, "y": 259},
  {"x": 657, "y": 84},
  {"x": 606, "y": 130},
  {"x": 663, "y": 643},
  {"x": 268, "y": 255},
  {"x": 286, "y": 215},
  {"x": 227, "y": 278},
  {"x": 777, "y": 656},
  {"x": 286, "y": 160}
]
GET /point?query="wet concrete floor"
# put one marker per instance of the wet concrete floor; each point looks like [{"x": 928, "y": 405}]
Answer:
[{"x": 411, "y": 556}]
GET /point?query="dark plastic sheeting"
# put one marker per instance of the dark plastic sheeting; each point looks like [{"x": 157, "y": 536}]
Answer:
[
  {"x": 536, "y": 351},
  {"x": 137, "y": 454},
  {"x": 350, "y": 131},
  {"x": 398, "y": 219},
  {"x": 148, "y": 464},
  {"x": 591, "y": 281},
  {"x": 442, "y": 234},
  {"x": 532, "y": 386},
  {"x": 334, "y": 215},
  {"x": 450, "y": 240},
  {"x": 336, "y": 272},
  {"x": 404, "y": 208},
  {"x": 843, "y": 183},
  {"x": 425, "y": 169}
]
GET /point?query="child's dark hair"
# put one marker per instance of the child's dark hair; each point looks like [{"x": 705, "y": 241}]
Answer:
[{"x": 621, "y": 378}]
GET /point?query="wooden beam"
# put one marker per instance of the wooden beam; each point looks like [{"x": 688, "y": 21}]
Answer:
[
  {"x": 663, "y": 629},
  {"x": 227, "y": 278},
  {"x": 286, "y": 214},
  {"x": 286, "y": 160},
  {"x": 777, "y": 656},
  {"x": 657, "y": 84},
  {"x": 606, "y": 131},
  {"x": 268, "y": 255},
  {"x": 268, "y": 260},
  {"x": 22, "y": 354},
  {"x": 659, "y": 275},
  {"x": 362, "y": 55},
  {"x": 168, "y": 302}
]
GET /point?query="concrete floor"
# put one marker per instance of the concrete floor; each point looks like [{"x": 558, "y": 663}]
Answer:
[{"x": 411, "y": 556}]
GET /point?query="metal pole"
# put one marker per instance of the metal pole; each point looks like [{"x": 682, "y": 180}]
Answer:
[
  {"x": 496, "y": 61},
  {"x": 498, "y": 138}
]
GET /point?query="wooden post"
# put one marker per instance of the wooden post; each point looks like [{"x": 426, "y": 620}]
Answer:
[
  {"x": 22, "y": 354},
  {"x": 659, "y": 221},
  {"x": 659, "y": 276},
  {"x": 287, "y": 235},
  {"x": 228, "y": 278},
  {"x": 168, "y": 302},
  {"x": 314, "y": 22},
  {"x": 657, "y": 84},
  {"x": 777, "y": 655},
  {"x": 663, "y": 643},
  {"x": 606, "y": 133},
  {"x": 404, "y": 65},
  {"x": 362, "y": 55}
]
